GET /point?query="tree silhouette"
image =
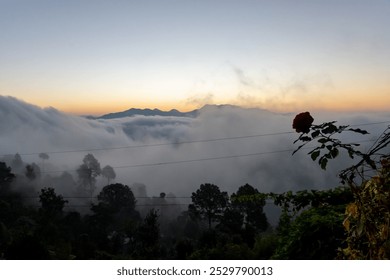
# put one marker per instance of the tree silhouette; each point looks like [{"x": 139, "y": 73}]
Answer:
[
  {"x": 88, "y": 172},
  {"x": 115, "y": 210},
  {"x": 17, "y": 163},
  {"x": 32, "y": 171},
  {"x": 109, "y": 173},
  {"x": 51, "y": 203},
  {"x": 44, "y": 157},
  {"x": 148, "y": 236},
  {"x": 6, "y": 176},
  {"x": 117, "y": 196},
  {"x": 209, "y": 202},
  {"x": 316, "y": 233},
  {"x": 250, "y": 204},
  {"x": 231, "y": 221},
  {"x": 11, "y": 204}
]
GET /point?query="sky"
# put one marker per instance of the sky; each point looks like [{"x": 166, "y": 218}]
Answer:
[{"x": 95, "y": 57}]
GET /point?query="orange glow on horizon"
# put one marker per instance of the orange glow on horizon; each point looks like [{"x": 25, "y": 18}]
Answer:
[
  {"x": 105, "y": 108},
  {"x": 357, "y": 101},
  {"x": 346, "y": 101}
]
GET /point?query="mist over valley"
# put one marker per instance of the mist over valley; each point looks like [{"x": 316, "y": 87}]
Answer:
[{"x": 173, "y": 152}]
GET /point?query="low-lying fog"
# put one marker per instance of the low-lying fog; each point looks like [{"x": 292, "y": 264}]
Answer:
[{"x": 224, "y": 145}]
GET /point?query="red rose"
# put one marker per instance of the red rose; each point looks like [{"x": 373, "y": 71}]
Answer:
[{"x": 302, "y": 122}]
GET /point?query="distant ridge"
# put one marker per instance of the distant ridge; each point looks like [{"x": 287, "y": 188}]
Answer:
[
  {"x": 148, "y": 112},
  {"x": 172, "y": 113}
]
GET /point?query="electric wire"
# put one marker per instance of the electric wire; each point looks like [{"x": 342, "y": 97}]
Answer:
[
  {"x": 176, "y": 162},
  {"x": 178, "y": 142},
  {"x": 201, "y": 159},
  {"x": 157, "y": 144},
  {"x": 196, "y": 160}
]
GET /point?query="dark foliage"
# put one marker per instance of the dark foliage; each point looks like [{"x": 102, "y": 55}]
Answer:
[
  {"x": 208, "y": 202},
  {"x": 215, "y": 226}
]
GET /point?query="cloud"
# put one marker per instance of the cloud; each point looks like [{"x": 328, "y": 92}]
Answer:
[
  {"x": 243, "y": 78},
  {"x": 199, "y": 100},
  {"x": 280, "y": 91},
  {"x": 27, "y": 128},
  {"x": 167, "y": 153}
]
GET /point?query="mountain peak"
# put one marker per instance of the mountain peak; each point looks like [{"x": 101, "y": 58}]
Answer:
[
  {"x": 172, "y": 113},
  {"x": 148, "y": 112}
]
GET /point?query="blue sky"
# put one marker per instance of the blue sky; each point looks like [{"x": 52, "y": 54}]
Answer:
[{"x": 98, "y": 56}]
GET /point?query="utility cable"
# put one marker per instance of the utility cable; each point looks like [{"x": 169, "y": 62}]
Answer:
[{"x": 177, "y": 143}]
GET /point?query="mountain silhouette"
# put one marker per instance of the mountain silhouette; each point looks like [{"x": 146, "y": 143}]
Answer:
[
  {"x": 149, "y": 112},
  {"x": 172, "y": 113}
]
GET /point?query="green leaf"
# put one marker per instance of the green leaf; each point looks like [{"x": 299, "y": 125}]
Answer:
[
  {"x": 331, "y": 128},
  {"x": 315, "y": 155},
  {"x": 315, "y": 134},
  {"x": 342, "y": 128},
  {"x": 323, "y": 162},
  {"x": 334, "y": 152},
  {"x": 358, "y": 130},
  {"x": 305, "y": 139},
  {"x": 323, "y": 140}
]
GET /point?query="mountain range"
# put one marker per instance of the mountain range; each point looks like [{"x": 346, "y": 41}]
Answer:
[{"x": 157, "y": 112}]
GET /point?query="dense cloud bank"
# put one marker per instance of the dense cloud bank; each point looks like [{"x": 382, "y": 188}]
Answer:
[{"x": 166, "y": 152}]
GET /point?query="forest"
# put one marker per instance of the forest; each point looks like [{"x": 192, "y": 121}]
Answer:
[{"x": 350, "y": 221}]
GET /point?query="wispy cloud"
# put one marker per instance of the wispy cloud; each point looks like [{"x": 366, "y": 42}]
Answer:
[
  {"x": 199, "y": 100},
  {"x": 29, "y": 129}
]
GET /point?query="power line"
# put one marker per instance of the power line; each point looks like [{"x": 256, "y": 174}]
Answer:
[
  {"x": 91, "y": 199},
  {"x": 179, "y": 142},
  {"x": 144, "y": 205},
  {"x": 209, "y": 158},
  {"x": 137, "y": 205},
  {"x": 95, "y": 197},
  {"x": 183, "y": 161},
  {"x": 159, "y": 144},
  {"x": 140, "y": 205},
  {"x": 196, "y": 160}
]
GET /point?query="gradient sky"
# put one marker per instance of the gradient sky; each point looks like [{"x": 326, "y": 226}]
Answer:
[{"x": 94, "y": 56}]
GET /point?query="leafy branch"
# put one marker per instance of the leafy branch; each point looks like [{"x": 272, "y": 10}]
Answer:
[
  {"x": 329, "y": 146},
  {"x": 367, "y": 221}
]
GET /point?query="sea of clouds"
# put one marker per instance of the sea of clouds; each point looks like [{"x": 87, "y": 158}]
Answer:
[{"x": 177, "y": 154}]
